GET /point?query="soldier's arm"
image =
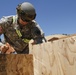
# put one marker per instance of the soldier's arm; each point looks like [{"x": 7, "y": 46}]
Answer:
[
  {"x": 4, "y": 24},
  {"x": 18, "y": 44},
  {"x": 9, "y": 32},
  {"x": 37, "y": 34}
]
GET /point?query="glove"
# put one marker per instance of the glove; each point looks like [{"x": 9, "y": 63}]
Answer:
[
  {"x": 3, "y": 48},
  {"x": 7, "y": 49}
]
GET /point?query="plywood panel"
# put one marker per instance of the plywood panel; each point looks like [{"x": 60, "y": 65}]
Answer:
[
  {"x": 16, "y": 64},
  {"x": 56, "y": 57}
]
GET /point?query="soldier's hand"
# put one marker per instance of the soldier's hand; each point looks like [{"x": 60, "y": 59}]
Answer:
[
  {"x": 4, "y": 48},
  {"x": 7, "y": 49},
  {"x": 10, "y": 49}
]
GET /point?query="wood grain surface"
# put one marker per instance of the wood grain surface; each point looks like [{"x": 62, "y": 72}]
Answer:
[
  {"x": 56, "y": 57},
  {"x": 16, "y": 64}
]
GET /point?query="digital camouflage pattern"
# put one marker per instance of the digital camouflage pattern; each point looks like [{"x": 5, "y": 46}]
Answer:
[{"x": 30, "y": 31}]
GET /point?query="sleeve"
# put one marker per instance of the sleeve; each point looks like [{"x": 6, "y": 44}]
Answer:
[
  {"x": 37, "y": 33},
  {"x": 13, "y": 38},
  {"x": 10, "y": 34},
  {"x": 4, "y": 23}
]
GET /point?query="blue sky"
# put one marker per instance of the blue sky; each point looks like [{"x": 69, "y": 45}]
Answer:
[{"x": 53, "y": 16}]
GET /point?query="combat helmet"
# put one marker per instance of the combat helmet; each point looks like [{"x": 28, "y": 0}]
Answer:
[{"x": 26, "y": 11}]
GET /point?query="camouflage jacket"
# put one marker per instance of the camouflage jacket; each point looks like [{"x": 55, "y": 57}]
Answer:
[{"x": 30, "y": 31}]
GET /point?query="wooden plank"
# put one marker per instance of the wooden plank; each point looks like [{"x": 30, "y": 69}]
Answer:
[
  {"x": 55, "y": 57},
  {"x": 16, "y": 64}
]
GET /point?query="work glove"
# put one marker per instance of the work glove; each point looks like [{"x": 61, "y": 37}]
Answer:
[{"x": 7, "y": 49}]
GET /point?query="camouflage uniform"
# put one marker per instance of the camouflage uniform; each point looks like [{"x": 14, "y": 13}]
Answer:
[{"x": 30, "y": 31}]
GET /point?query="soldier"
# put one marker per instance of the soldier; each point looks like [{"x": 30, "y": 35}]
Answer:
[{"x": 19, "y": 29}]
